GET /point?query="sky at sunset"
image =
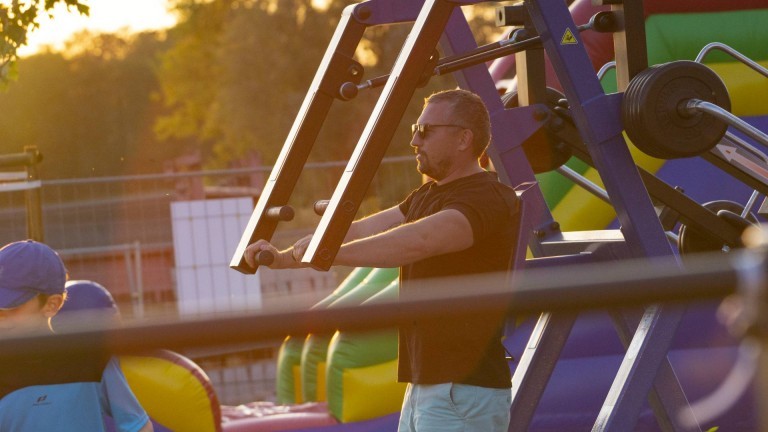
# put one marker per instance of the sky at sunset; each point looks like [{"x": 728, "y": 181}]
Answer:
[{"x": 105, "y": 16}]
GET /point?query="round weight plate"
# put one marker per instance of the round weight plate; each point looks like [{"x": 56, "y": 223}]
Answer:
[
  {"x": 544, "y": 151},
  {"x": 692, "y": 240},
  {"x": 659, "y": 149},
  {"x": 654, "y": 116},
  {"x": 693, "y": 134},
  {"x": 632, "y": 116},
  {"x": 632, "y": 113}
]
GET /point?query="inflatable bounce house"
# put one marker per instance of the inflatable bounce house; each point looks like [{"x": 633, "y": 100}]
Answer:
[
  {"x": 346, "y": 381},
  {"x": 678, "y": 30}
]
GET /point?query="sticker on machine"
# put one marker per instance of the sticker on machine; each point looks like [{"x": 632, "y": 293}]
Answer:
[{"x": 568, "y": 38}]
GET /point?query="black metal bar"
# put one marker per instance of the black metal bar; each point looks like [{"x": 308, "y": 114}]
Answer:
[
  {"x": 492, "y": 51},
  {"x": 20, "y": 159},
  {"x": 629, "y": 44},
  {"x": 378, "y": 133},
  {"x": 301, "y": 138},
  {"x": 569, "y": 289},
  {"x": 475, "y": 57},
  {"x": 691, "y": 212},
  {"x": 470, "y": 58}
]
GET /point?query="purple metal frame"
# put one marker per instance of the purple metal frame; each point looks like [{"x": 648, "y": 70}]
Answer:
[{"x": 596, "y": 116}]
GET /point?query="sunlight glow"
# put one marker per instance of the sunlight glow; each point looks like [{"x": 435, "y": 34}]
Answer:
[{"x": 105, "y": 16}]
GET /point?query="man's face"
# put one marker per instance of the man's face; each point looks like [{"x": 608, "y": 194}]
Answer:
[
  {"x": 30, "y": 316},
  {"x": 436, "y": 148}
]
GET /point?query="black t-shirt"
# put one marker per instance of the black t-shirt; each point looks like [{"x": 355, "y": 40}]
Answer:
[{"x": 463, "y": 348}]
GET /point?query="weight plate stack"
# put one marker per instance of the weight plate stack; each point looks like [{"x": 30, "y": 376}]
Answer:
[
  {"x": 692, "y": 240},
  {"x": 655, "y": 115}
]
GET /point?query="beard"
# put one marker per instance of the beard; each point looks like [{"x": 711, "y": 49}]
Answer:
[{"x": 436, "y": 171}]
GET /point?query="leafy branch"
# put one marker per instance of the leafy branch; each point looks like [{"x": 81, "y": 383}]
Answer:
[{"x": 16, "y": 21}]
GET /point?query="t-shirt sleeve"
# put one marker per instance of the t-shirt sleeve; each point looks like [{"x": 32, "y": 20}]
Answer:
[
  {"x": 485, "y": 208},
  {"x": 119, "y": 400},
  {"x": 406, "y": 204}
]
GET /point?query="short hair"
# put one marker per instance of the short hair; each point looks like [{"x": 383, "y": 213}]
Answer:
[{"x": 469, "y": 109}]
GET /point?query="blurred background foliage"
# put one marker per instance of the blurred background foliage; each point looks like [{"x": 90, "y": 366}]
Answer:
[
  {"x": 17, "y": 19},
  {"x": 226, "y": 82}
]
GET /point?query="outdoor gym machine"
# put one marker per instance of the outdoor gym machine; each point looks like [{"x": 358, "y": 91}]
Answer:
[{"x": 598, "y": 118}]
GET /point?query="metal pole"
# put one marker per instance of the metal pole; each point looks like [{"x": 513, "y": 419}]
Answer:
[
  {"x": 138, "y": 310},
  {"x": 33, "y": 197}
]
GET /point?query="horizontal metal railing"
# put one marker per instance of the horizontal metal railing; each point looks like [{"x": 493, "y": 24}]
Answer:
[{"x": 573, "y": 288}]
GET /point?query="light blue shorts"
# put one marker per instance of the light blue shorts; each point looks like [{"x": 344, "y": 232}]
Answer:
[{"x": 455, "y": 408}]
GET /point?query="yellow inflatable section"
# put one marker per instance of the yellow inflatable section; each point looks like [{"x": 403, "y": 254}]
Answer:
[{"x": 174, "y": 391}]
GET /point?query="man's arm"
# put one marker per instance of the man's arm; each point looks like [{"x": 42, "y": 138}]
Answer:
[
  {"x": 443, "y": 232},
  {"x": 291, "y": 257},
  {"x": 375, "y": 224}
]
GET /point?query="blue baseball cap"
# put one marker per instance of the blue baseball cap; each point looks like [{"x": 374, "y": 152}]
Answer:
[
  {"x": 29, "y": 268},
  {"x": 88, "y": 304},
  {"x": 87, "y": 295}
]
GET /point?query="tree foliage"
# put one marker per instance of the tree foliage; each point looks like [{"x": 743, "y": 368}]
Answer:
[
  {"x": 257, "y": 59},
  {"x": 90, "y": 112},
  {"x": 227, "y": 80},
  {"x": 16, "y": 21}
]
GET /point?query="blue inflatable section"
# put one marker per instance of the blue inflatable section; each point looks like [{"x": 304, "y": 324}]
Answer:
[{"x": 702, "y": 355}]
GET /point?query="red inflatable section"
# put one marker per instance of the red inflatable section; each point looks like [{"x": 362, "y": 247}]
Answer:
[
  {"x": 598, "y": 45},
  {"x": 683, "y": 6},
  {"x": 269, "y": 417}
]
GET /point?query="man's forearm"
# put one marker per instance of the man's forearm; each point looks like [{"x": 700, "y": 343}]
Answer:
[
  {"x": 444, "y": 232},
  {"x": 392, "y": 248},
  {"x": 374, "y": 224}
]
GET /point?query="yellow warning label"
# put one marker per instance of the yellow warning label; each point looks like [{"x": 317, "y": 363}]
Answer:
[{"x": 568, "y": 38}]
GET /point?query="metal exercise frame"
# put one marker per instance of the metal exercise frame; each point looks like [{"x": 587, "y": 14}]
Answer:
[
  {"x": 595, "y": 115},
  {"x": 27, "y": 180},
  {"x": 648, "y": 335}
]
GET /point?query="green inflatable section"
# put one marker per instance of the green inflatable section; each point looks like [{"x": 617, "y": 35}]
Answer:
[
  {"x": 348, "y": 284},
  {"x": 287, "y": 380},
  {"x": 356, "y": 349},
  {"x": 313, "y": 356},
  {"x": 315, "y": 347},
  {"x": 376, "y": 280},
  {"x": 682, "y": 36},
  {"x": 389, "y": 293}
]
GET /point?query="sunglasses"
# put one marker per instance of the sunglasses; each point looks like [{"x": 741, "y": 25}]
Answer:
[{"x": 422, "y": 129}]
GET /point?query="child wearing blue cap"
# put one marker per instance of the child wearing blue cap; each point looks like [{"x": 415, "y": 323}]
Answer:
[
  {"x": 32, "y": 291},
  {"x": 88, "y": 305},
  {"x": 32, "y": 280}
]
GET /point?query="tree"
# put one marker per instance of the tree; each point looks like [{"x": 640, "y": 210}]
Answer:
[
  {"x": 89, "y": 110},
  {"x": 187, "y": 76},
  {"x": 239, "y": 70},
  {"x": 16, "y": 21}
]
